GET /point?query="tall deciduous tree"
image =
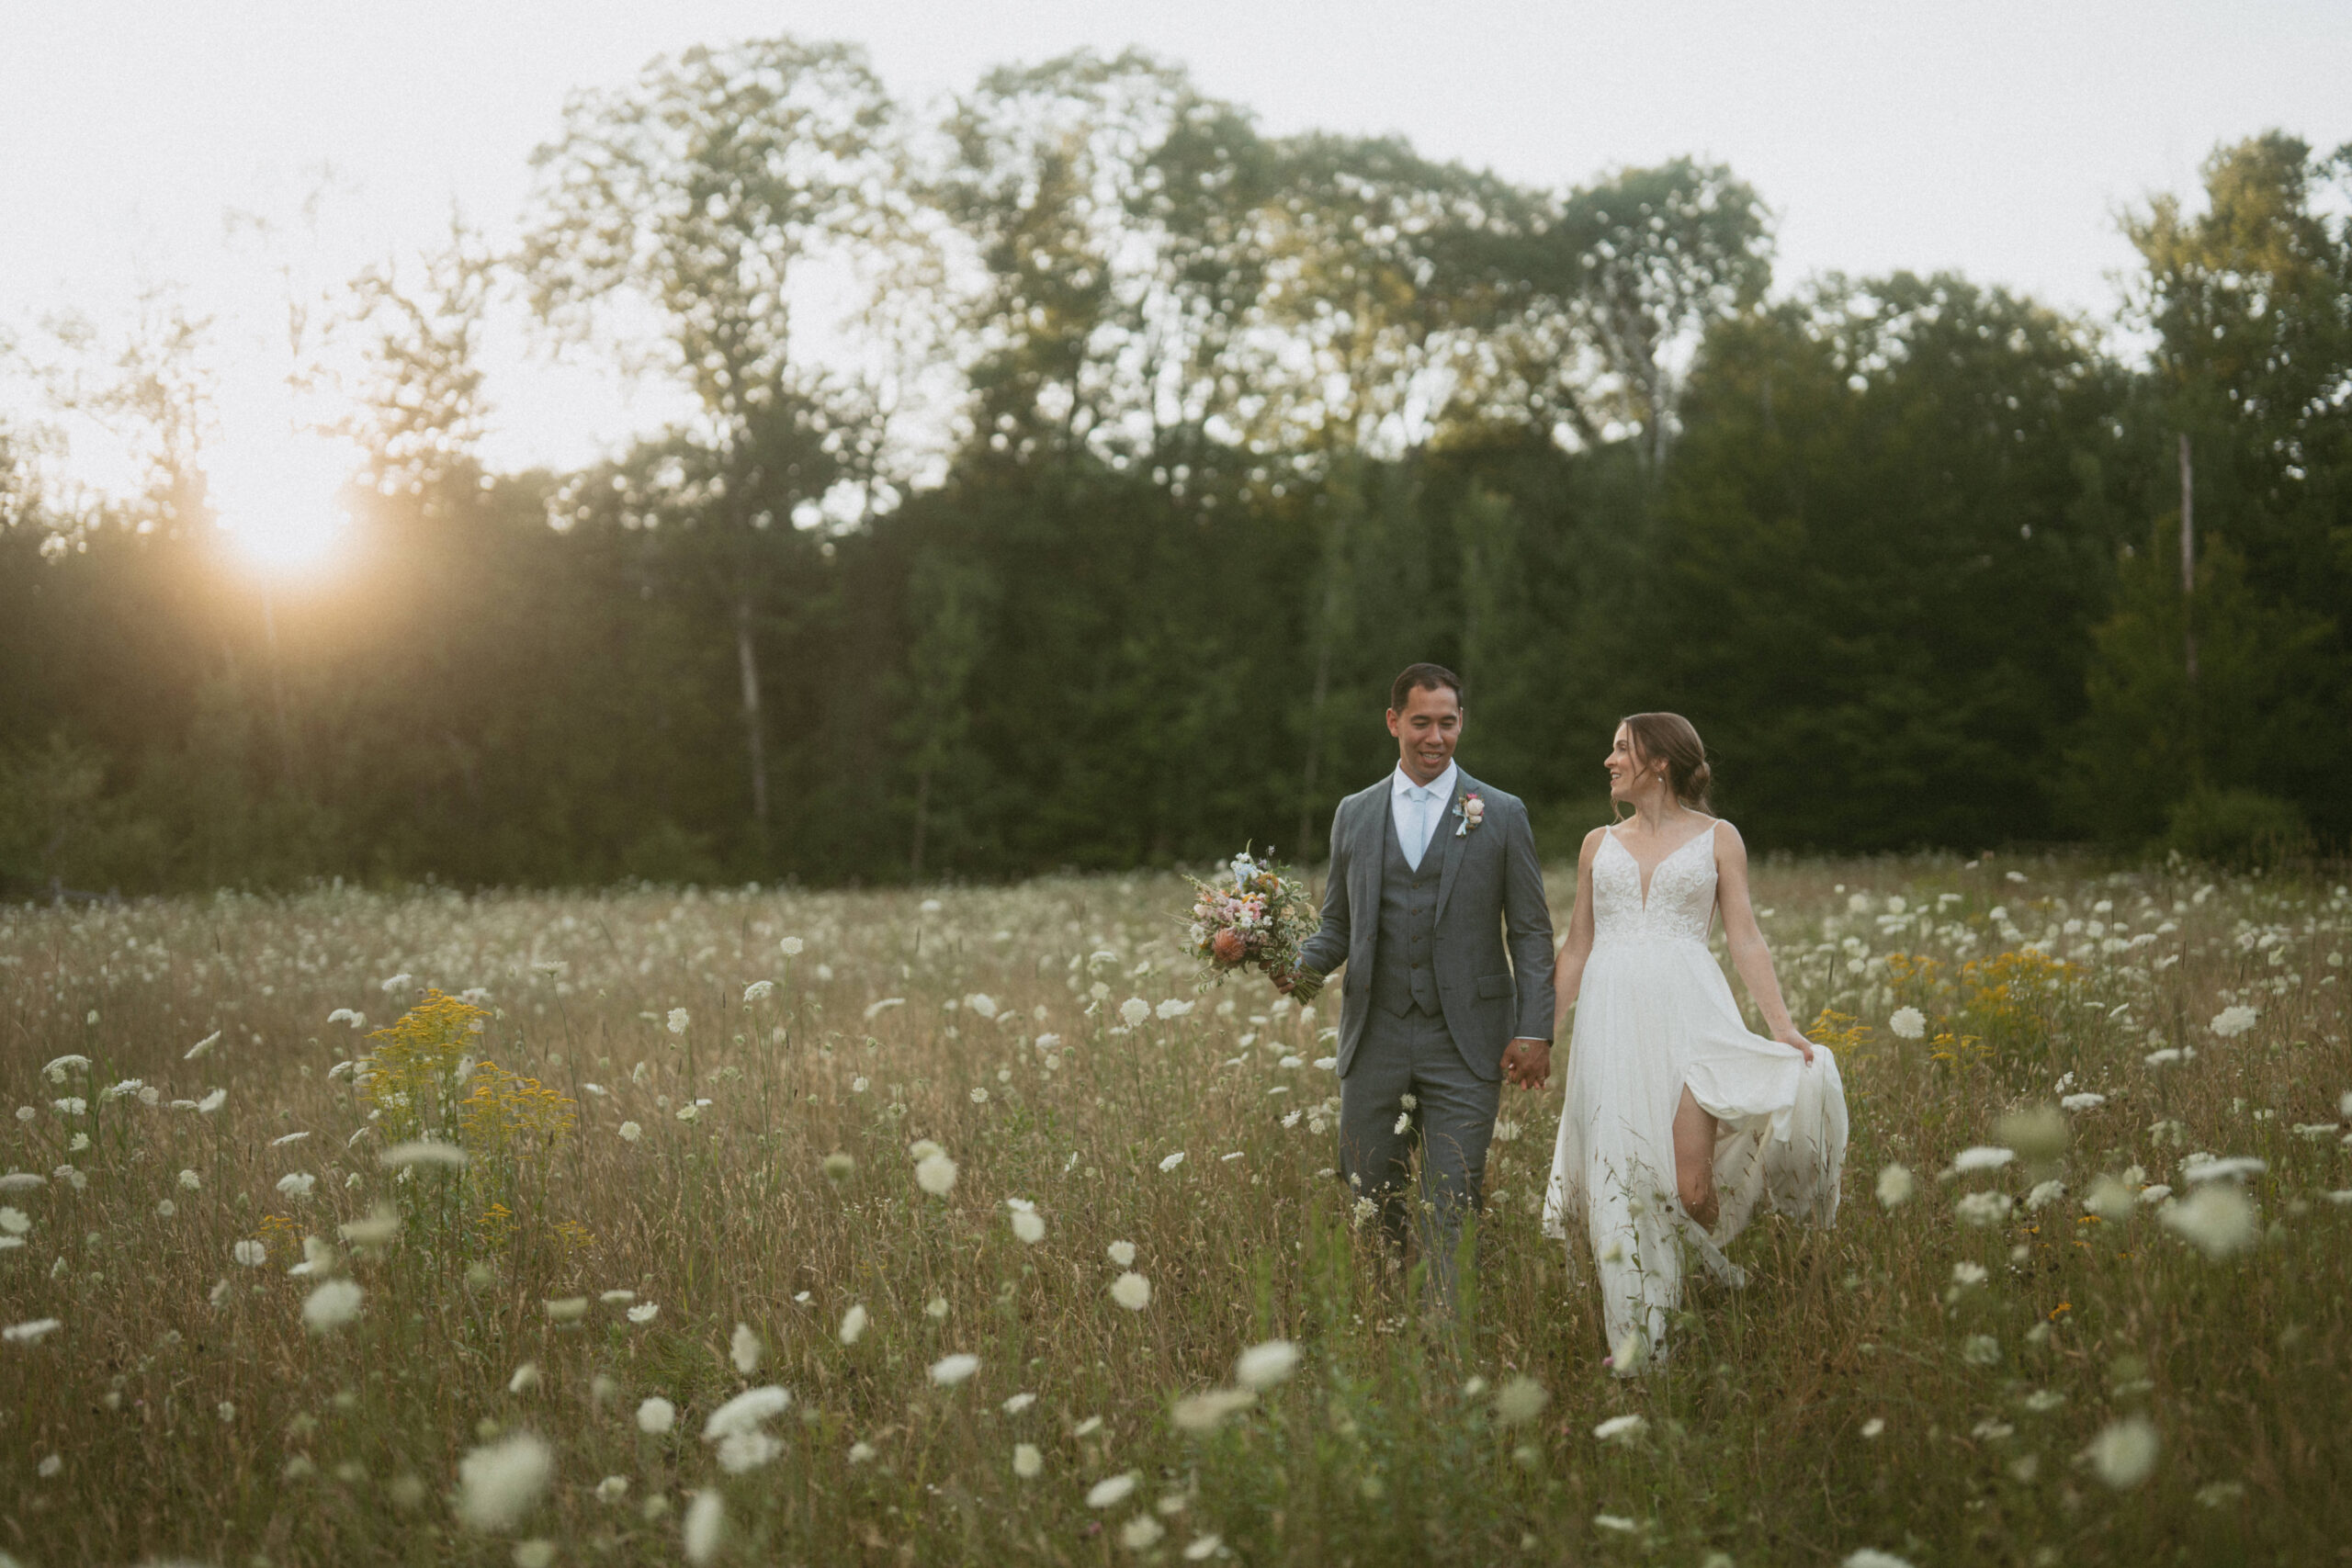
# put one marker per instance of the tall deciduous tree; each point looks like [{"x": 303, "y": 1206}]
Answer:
[
  {"x": 698, "y": 197},
  {"x": 2250, "y": 301}
]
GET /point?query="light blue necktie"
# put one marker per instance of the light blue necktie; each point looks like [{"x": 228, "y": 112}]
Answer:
[{"x": 1421, "y": 796}]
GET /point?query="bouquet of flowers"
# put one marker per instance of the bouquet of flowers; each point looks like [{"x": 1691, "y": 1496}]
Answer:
[{"x": 1254, "y": 914}]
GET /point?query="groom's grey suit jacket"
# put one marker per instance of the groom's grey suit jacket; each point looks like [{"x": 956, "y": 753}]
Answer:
[{"x": 1490, "y": 883}]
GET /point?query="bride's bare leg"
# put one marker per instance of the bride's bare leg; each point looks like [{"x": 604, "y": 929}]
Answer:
[{"x": 1694, "y": 1160}]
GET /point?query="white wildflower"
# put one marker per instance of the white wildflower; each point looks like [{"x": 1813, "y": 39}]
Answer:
[
  {"x": 791, "y": 946},
  {"x": 1172, "y": 1007},
  {"x": 2043, "y": 1194},
  {"x": 2084, "y": 1101},
  {"x": 630, "y": 1131},
  {"x": 745, "y": 1350},
  {"x": 502, "y": 1482},
  {"x": 2124, "y": 1454},
  {"x": 759, "y": 991},
  {"x": 1625, "y": 1427},
  {"x": 212, "y": 1102},
  {"x": 678, "y": 1020},
  {"x": 853, "y": 1323},
  {"x": 31, "y": 1332},
  {"x": 1173, "y": 1161},
  {"x": 332, "y": 1306},
  {"x": 2233, "y": 1022},
  {"x": 1984, "y": 1209},
  {"x": 1965, "y": 1275},
  {"x": 706, "y": 1527},
  {"x": 935, "y": 1174},
  {"x": 1263, "y": 1366},
  {"x": 1908, "y": 1023},
  {"x": 1131, "y": 1290},
  {"x": 1134, "y": 1010},
  {"x": 644, "y": 1311},
  {"x": 2217, "y": 1219},
  {"x": 1894, "y": 1186},
  {"x": 201, "y": 1046},
  {"x": 422, "y": 1151},
  {"x": 1122, "y": 1252},
  {"x": 1982, "y": 1158},
  {"x": 1520, "y": 1401},
  {"x": 1141, "y": 1533},
  {"x": 2234, "y": 1168},
  {"x": 1111, "y": 1491},
  {"x": 656, "y": 1415},
  {"x": 1026, "y": 1461},
  {"x": 297, "y": 1183},
  {"x": 949, "y": 1371}
]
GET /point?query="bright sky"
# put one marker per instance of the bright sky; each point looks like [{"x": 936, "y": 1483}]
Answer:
[{"x": 1994, "y": 137}]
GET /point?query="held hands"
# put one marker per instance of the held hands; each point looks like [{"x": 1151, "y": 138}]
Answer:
[
  {"x": 1527, "y": 1063},
  {"x": 1789, "y": 1037}
]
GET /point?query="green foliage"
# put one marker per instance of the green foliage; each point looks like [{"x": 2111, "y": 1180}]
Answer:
[
  {"x": 1244, "y": 425},
  {"x": 2236, "y": 827}
]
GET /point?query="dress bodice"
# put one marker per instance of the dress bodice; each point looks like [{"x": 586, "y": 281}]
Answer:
[{"x": 1681, "y": 899}]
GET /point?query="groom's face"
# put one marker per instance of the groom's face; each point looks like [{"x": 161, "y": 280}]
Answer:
[{"x": 1426, "y": 729}]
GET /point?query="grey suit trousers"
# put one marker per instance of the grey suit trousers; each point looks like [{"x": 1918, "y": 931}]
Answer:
[{"x": 1451, "y": 1122}]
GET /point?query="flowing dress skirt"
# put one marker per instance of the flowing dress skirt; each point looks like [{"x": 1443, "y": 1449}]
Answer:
[{"x": 1653, "y": 1014}]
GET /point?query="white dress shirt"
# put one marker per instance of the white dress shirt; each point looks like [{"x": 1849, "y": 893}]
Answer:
[{"x": 1418, "y": 810}]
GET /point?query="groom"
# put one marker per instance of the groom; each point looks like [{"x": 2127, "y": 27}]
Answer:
[{"x": 1433, "y": 877}]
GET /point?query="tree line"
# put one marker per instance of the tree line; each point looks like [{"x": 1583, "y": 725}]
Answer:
[{"x": 1222, "y": 429}]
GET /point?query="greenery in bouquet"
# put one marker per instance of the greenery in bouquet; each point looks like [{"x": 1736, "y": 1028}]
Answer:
[{"x": 1255, "y": 915}]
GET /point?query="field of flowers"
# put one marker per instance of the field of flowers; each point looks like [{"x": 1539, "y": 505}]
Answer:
[{"x": 768, "y": 1227}]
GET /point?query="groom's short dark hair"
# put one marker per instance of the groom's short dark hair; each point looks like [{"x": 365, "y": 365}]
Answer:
[{"x": 1422, "y": 678}]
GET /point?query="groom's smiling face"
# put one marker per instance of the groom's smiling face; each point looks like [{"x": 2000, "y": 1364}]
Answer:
[{"x": 1426, "y": 729}]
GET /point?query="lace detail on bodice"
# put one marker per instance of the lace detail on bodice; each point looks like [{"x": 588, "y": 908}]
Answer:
[{"x": 1682, "y": 893}]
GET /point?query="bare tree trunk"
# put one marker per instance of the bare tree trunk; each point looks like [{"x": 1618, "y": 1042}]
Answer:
[
  {"x": 2188, "y": 559},
  {"x": 922, "y": 820},
  {"x": 754, "y": 739}
]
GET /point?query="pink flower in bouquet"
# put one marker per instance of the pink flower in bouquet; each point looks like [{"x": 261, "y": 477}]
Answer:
[{"x": 1229, "y": 946}]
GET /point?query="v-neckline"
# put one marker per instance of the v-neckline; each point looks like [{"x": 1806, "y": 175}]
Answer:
[{"x": 1644, "y": 880}]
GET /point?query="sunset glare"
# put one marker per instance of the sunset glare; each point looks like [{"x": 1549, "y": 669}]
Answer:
[{"x": 281, "y": 498}]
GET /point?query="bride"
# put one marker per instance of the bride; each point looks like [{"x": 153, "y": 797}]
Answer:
[{"x": 1678, "y": 1121}]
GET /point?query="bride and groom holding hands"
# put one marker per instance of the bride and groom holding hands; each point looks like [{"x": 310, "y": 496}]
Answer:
[{"x": 1678, "y": 1123}]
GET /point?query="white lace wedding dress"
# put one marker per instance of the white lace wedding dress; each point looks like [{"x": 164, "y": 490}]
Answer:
[{"x": 1655, "y": 1013}]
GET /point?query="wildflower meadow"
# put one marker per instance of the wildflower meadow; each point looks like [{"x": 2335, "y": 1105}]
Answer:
[{"x": 765, "y": 1226}]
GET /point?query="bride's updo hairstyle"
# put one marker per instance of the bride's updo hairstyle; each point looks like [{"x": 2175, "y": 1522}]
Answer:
[{"x": 1669, "y": 738}]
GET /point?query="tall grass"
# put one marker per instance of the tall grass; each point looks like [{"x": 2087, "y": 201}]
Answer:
[{"x": 1858, "y": 1395}]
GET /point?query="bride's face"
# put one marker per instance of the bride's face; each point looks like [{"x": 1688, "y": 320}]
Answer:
[{"x": 1625, "y": 766}]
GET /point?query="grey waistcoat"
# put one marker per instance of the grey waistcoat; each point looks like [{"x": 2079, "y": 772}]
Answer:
[{"x": 1403, "y": 967}]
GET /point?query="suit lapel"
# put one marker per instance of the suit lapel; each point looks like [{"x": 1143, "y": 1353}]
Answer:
[
  {"x": 1371, "y": 851},
  {"x": 1455, "y": 843}
]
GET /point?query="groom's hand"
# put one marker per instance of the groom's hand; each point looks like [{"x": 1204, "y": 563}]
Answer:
[{"x": 1527, "y": 1063}]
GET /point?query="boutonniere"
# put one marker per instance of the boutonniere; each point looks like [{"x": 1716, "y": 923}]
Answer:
[{"x": 1472, "y": 811}]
